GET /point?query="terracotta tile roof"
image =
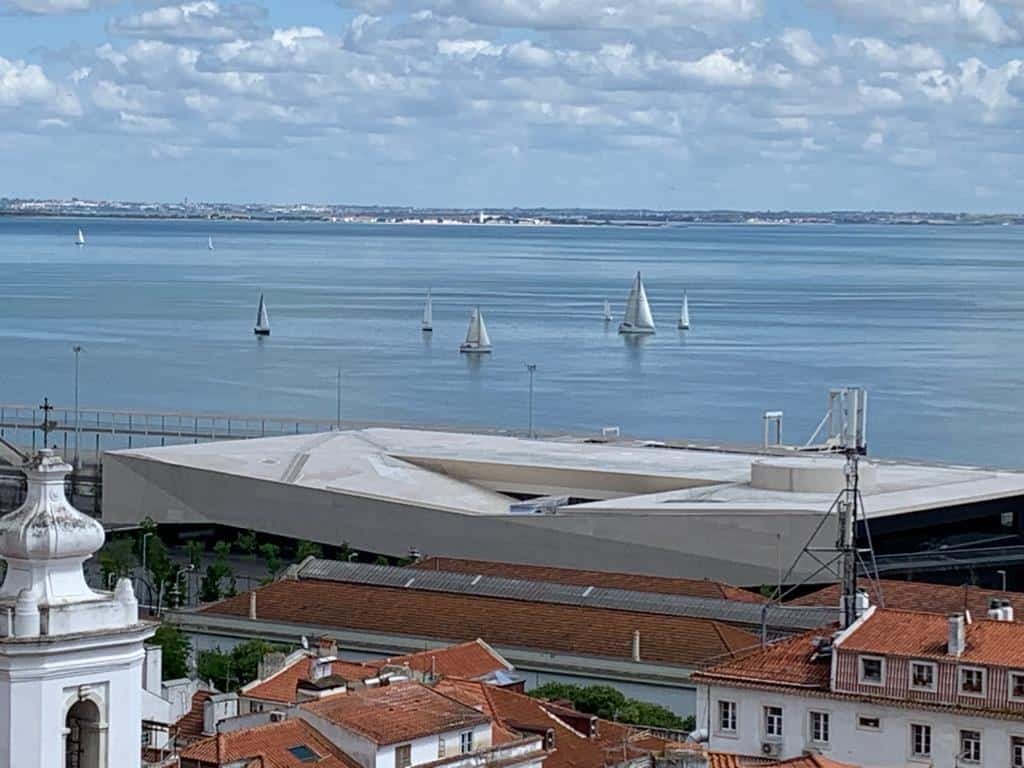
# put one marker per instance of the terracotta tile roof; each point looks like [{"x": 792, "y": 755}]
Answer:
[
  {"x": 789, "y": 662},
  {"x": 397, "y": 713},
  {"x": 919, "y": 596},
  {"x": 911, "y": 633},
  {"x": 190, "y": 726},
  {"x": 729, "y": 760},
  {"x": 268, "y": 745},
  {"x": 515, "y": 712},
  {"x": 470, "y": 660},
  {"x": 585, "y": 578},
  {"x": 811, "y": 761},
  {"x": 282, "y": 686},
  {"x": 572, "y": 629}
]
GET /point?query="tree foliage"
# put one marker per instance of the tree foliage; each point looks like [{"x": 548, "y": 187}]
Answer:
[
  {"x": 176, "y": 649},
  {"x": 117, "y": 559},
  {"x": 246, "y": 542},
  {"x": 610, "y": 704},
  {"x": 308, "y": 549},
  {"x": 271, "y": 554},
  {"x": 211, "y": 588},
  {"x": 230, "y": 670},
  {"x": 195, "y": 549}
]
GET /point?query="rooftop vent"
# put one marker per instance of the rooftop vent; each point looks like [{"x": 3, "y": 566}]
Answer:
[{"x": 807, "y": 474}]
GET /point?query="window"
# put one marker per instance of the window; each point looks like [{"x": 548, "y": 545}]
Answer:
[
  {"x": 466, "y": 742},
  {"x": 304, "y": 754},
  {"x": 1017, "y": 685},
  {"x": 440, "y": 747},
  {"x": 972, "y": 681},
  {"x": 970, "y": 746},
  {"x": 869, "y": 723},
  {"x": 727, "y": 716},
  {"x": 819, "y": 727},
  {"x": 1017, "y": 751},
  {"x": 872, "y": 669},
  {"x": 403, "y": 756},
  {"x": 773, "y": 722},
  {"x": 922, "y": 676},
  {"x": 920, "y": 740}
]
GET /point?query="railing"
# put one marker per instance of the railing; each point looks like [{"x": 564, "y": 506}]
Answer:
[{"x": 20, "y": 424}]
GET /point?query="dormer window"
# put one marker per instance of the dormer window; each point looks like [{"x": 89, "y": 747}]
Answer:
[
  {"x": 972, "y": 681},
  {"x": 922, "y": 676},
  {"x": 871, "y": 670}
]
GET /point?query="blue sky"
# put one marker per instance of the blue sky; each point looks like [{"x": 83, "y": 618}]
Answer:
[{"x": 803, "y": 104}]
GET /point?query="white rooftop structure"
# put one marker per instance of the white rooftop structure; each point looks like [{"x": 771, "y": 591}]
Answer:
[{"x": 633, "y": 506}]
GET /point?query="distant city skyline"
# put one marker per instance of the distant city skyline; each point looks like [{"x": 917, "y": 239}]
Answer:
[{"x": 810, "y": 105}]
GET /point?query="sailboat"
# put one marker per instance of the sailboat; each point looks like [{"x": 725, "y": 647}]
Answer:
[
  {"x": 209, "y": 242},
  {"x": 607, "y": 311},
  {"x": 428, "y": 315},
  {"x": 477, "y": 341},
  {"x": 262, "y": 319},
  {"x": 684, "y": 315},
  {"x": 80, "y": 237},
  {"x": 637, "y": 318}
]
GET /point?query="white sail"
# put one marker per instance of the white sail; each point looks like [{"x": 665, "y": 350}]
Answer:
[
  {"x": 428, "y": 313},
  {"x": 684, "y": 314},
  {"x": 209, "y": 243},
  {"x": 262, "y": 319},
  {"x": 80, "y": 238},
  {"x": 477, "y": 339},
  {"x": 607, "y": 310},
  {"x": 638, "y": 318}
]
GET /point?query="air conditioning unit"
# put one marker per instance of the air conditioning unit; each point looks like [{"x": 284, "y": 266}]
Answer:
[
  {"x": 771, "y": 749},
  {"x": 278, "y": 716}
]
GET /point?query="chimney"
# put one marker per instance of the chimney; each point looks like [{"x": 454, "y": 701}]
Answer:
[
  {"x": 252, "y": 605},
  {"x": 957, "y": 635},
  {"x": 325, "y": 647},
  {"x": 863, "y": 602},
  {"x": 1007, "y": 611},
  {"x": 995, "y": 609},
  {"x": 636, "y": 645}
]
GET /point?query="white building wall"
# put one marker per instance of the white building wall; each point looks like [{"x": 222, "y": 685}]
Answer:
[{"x": 888, "y": 747}]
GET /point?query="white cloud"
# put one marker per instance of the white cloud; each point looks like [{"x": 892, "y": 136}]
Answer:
[
  {"x": 976, "y": 20},
  {"x": 26, "y": 85},
  {"x": 45, "y": 7},
  {"x": 468, "y": 49},
  {"x": 800, "y": 46},
  {"x": 881, "y": 54},
  {"x": 204, "y": 20}
]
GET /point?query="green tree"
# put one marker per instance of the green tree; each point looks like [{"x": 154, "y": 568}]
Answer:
[
  {"x": 246, "y": 542},
  {"x": 195, "y": 549},
  {"x": 210, "y": 588},
  {"x": 271, "y": 554},
  {"x": 308, "y": 549},
  {"x": 162, "y": 570},
  {"x": 610, "y": 704},
  {"x": 381, "y": 560},
  {"x": 222, "y": 549},
  {"x": 117, "y": 559},
  {"x": 176, "y": 649},
  {"x": 230, "y": 670}
]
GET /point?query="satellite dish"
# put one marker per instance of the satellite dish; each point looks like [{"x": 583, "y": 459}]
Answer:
[{"x": 305, "y": 642}]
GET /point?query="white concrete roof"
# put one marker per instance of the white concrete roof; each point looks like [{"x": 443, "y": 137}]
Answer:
[{"x": 465, "y": 473}]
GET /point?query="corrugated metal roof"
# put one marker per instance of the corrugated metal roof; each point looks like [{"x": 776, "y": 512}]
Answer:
[{"x": 731, "y": 611}]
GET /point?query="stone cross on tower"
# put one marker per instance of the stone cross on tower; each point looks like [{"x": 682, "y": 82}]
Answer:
[{"x": 70, "y": 657}]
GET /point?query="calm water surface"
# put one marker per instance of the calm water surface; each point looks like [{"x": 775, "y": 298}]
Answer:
[{"x": 930, "y": 319}]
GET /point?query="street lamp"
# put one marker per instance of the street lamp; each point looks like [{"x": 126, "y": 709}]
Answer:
[
  {"x": 338, "y": 422},
  {"x": 532, "y": 368},
  {"x": 1002, "y": 573},
  {"x": 77, "y": 349}
]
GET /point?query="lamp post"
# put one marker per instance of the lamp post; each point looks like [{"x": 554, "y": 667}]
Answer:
[
  {"x": 338, "y": 422},
  {"x": 1002, "y": 573},
  {"x": 532, "y": 368},
  {"x": 77, "y": 349},
  {"x": 144, "y": 537}
]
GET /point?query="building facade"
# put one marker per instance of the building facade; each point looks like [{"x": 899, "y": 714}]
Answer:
[{"x": 896, "y": 688}]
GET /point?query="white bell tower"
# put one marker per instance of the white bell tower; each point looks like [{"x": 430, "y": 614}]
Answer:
[{"x": 70, "y": 658}]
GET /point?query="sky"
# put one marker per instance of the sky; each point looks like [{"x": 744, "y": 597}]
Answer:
[{"x": 695, "y": 104}]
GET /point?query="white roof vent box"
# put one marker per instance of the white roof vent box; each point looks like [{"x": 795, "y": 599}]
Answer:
[{"x": 808, "y": 474}]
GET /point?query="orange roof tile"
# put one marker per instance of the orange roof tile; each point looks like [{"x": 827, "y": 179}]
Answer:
[
  {"x": 572, "y": 629},
  {"x": 791, "y": 662},
  {"x": 282, "y": 685},
  {"x": 912, "y": 633},
  {"x": 467, "y": 660},
  {"x": 585, "y": 578},
  {"x": 397, "y": 712},
  {"x": 919, "y": 596},
  {"x": 190, "y": 726},
  {"x": 268, "y": 745},
  {"x": 512, "y": 712}
]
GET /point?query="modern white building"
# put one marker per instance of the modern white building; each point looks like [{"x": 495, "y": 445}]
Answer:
[
  {"x": 71, "y": 659},
  {"x": 896, "y": 688}
]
